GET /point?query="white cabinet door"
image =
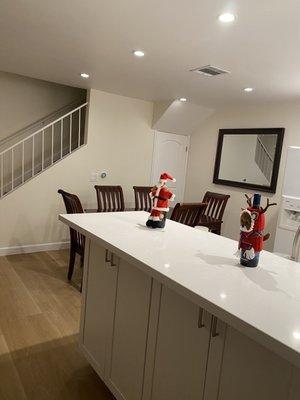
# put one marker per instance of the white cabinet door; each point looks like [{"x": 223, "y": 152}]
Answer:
[
  {"x": 98, "y": 307},
  {"x": 130, "y": 329},
  {"x": 181, "y": 349},
  {"x": 248, "y": 370},
  {"x": 214, "y": 360}
]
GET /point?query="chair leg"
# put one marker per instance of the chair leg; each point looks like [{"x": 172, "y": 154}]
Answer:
[
  {"x": 218, "y": 230},
  {"x": 71, "y": 263}
]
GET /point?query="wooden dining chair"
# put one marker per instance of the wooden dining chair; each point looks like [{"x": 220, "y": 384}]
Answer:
[
  {"x": 188, "y": 213},
  {"x": 142, "y": 198},
  {"x": 109, "y": 198},
  {"x": 213, "y": 215},
  {"x": 73, "y": 206}
]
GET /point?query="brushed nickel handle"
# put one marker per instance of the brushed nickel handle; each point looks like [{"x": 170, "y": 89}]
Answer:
[
  {"x": 200, "y": 318},
  {"x": 106, "y": 256},
  {"x": 112, "y": 264},
  {"x": 214, "y": 323}
]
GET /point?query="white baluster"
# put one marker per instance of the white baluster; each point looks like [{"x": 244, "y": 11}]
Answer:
[
  {"x": 2, "y": 174},
  {"x": 12, "y": 168},
  {"x": 70, "y": 145},
  {"x": 23, "y": 161},
  {"x": 32, "y": 161},
  {"x": 61, "y": 136},
  {"x": 43, "y": 149},
  {"x": 52, "y": 143},
  {"x": 79, "y": 126}
]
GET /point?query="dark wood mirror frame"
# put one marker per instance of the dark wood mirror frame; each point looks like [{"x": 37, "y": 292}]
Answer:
[{"x": 279, "y": 132}]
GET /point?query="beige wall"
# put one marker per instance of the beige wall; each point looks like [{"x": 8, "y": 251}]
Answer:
[
  {"x": 203, "y": 149},
  {"x": 120, "y": 140},
  {"x": 24, "y": 101}
]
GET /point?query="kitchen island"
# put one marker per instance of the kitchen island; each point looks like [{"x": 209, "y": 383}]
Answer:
[{"x": 171, "y": 315}]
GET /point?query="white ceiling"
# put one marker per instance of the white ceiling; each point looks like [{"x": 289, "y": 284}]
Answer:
[{"x": 55, "y": 40}]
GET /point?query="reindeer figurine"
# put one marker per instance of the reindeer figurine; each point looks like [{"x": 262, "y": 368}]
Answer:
[{"x": 252, "y": 224}]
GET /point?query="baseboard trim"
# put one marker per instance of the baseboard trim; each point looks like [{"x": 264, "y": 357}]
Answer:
[{"x": 33, "y": 248}]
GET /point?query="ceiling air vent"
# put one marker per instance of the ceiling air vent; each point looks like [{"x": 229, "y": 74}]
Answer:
[{"x": 209, "y": 70}]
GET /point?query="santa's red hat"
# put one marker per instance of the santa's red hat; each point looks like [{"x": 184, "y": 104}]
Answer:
[{"x": 165, "y": 177}]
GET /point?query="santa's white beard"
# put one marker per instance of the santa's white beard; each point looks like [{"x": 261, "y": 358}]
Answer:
[{"x": 160, "y": 184}]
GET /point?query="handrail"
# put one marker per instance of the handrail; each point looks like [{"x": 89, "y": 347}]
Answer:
[{"x": 44, "y": 128}]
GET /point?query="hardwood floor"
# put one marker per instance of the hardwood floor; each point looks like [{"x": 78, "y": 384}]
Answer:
[{"x": 39, "y": 324}]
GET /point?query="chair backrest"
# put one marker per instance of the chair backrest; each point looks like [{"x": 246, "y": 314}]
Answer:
[
  {"x": 110, "y": 198},
  {"x": 73, "y": 206},
  {"x": 216, "y": 203},
  {"x": 142, "y": 198},
  {"x": 188, "y": 213}
]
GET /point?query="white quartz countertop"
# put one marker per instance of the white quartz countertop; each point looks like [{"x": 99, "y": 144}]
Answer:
[{"x": 262, "y": 302}]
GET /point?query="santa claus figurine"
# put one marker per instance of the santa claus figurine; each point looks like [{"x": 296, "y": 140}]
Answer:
[{"x": 161, "y": 196}]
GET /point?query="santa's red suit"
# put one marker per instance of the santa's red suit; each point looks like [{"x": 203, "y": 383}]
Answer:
[{"x": 160, "y": 196}]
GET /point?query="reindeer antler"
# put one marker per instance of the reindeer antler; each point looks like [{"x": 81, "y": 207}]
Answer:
[
  {"x": 249, "y": 200},
  {"x": 263, "y": 210}
]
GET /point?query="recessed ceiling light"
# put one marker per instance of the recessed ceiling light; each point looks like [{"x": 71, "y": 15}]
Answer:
[
  {"x": 248, "y": 89},
  {"x": 183, "y": 99},
  {"x": 84, "y": 75},
  {"x": 138, "y": 53},
  {"x": 227, "y": 17}
]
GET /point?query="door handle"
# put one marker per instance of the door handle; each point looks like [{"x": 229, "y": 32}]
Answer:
[
  {"x": 200, "y": 318},
  {"x": 106, "y": 256},
  {"x": 112, "y": 264},
  {"x": 214, "y": 323}
]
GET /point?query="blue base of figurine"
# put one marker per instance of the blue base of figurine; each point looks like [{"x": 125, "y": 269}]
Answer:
[
  {"x": 156, "y": 224},
  {"x": 249, "y": 263}
]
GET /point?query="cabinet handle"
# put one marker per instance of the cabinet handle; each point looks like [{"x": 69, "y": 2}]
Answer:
[
  {"x": 106, "y": 256},
  {"x": 112, "y": 264},
  {"x": 214, "y": 332},
  {"x": 200, "y": 318}
]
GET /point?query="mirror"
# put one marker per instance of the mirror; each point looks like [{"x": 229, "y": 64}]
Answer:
[{"x": 249, "y": 158}]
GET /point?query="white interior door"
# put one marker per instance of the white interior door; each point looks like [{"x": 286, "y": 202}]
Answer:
[{"x": 170, "y": 155}]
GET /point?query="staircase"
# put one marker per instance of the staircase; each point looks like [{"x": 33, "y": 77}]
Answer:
[
  {"x": 263, "y": 159},
  {"x": 38, "y": 151}
]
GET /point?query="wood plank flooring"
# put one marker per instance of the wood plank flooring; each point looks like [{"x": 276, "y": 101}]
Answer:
[{"x": 39, "y": 324}]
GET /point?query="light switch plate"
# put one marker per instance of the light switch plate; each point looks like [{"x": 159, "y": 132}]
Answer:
[{"x": 93, "y": 177}]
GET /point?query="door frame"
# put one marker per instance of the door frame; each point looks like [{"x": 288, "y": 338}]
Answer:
[{"x": 153, "y": 179}]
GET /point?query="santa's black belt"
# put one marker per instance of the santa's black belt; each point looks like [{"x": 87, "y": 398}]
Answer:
[{"x": 160, "y": 198}]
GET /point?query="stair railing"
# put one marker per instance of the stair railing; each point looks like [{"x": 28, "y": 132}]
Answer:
[
  {"x": 263, "y": 159},
  {"x": 16, "y": 175}
]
